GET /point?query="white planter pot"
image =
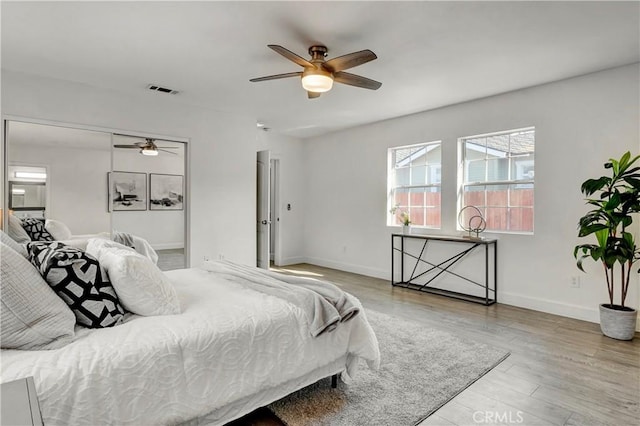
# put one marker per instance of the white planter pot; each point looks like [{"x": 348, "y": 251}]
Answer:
[
  {"x": 406, "y": 229},
  {"x": 618, "y": 324}
]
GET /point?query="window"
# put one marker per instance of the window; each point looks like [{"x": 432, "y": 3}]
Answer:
[
  {"x": 414, "y": 184},
  {"x": 498, "y": 175}
]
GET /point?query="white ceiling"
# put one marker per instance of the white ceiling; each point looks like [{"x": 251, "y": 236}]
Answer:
[
  {"x": 20, "y": 134},
  {"x": 31, "y": 134},
  {"x": 430, "y": 54}
]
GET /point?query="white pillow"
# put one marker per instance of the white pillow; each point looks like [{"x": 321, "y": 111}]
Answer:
[
  {"x": 58, "y": 230},
  {"x": 20, "y": 248},
  {"x": 141, "y": 287},
  {"x": 16, "y": 231},
  {"x": 32, "y": 315}
]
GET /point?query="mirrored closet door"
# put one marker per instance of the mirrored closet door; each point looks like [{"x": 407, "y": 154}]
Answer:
[
  {"x": 97, "y": 182},
  {"x": 148, "y": 194},
  {"x": 71, "y": 166}
]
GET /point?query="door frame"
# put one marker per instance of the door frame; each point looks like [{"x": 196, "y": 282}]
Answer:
[
  {"x": 277, "y": 210},
  {"x": 263, "y": 208}
]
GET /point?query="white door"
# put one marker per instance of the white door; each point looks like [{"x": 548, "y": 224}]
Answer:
[{"x": 262, "y": 216}]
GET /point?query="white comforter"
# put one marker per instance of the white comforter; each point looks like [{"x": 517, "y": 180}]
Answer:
[{"x": 228, "y": 344}]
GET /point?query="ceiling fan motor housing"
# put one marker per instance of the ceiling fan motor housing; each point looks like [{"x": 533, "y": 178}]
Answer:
[{"x": 318, "y": 52}]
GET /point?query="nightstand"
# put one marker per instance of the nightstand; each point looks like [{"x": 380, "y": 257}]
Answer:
[{"x": 19, "y": 403}]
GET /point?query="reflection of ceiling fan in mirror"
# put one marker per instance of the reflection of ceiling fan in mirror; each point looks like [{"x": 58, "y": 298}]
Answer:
[{"x": 148, "y": 147}]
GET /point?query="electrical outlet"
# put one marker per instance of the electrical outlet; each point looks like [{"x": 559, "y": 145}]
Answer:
[
  {"x": 575, "y": 282},
  {"x": 220, "y": 256},
  {"x": 207, "y": 258}
]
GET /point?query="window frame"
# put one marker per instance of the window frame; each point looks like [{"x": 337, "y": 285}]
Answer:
[
  {"x": 463, "y": 171},
  {"x": 392, "y": 187}
]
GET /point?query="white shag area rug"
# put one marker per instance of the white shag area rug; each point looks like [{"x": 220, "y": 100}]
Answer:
[{"x": 421, "y": 370}]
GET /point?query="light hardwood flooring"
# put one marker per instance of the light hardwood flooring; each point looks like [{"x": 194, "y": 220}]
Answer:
[
  {"x": 169, "y": 259},
  {"x": 561, "y": 371}
]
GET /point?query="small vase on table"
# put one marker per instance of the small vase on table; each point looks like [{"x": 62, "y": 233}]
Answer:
[{"x": 406, "y": 229}]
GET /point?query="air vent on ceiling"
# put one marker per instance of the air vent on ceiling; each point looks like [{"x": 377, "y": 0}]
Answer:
[{"x": 157, "y": 88}]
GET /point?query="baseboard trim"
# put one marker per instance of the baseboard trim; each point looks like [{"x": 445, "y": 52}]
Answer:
[
  {"x": 167, "y": 246},
  {"x": 292, "y": 261},
  {"x": 556, "y": 308},
  {"x": 550, "y": 307},
  {"x": 348, "y": 267}
]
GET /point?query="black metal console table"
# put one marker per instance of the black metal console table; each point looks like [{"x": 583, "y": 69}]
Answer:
[{"x": 435, "y": 270}]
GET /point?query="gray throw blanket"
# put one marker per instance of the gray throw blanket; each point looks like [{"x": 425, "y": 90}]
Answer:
[
  {"x": 324, "y": 304},
  {"x": 139, "y": 244},
  {"x": 123, "y": 238}
]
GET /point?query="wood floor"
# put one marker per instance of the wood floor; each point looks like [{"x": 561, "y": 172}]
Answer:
[
  {"x": 561, "y": 371},
  {"x": 169, "y": 259}
]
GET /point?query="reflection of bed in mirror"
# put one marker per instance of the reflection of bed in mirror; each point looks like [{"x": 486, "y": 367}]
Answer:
[
  {"x": 137, "y": 243},
  {"x": 26, "y": 229},
  {"x": 77, "y": 163}
]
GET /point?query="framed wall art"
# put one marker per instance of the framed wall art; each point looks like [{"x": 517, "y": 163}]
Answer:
[
  {"x": 166, "y": 192},
  {"x": 127, "y": 191}
]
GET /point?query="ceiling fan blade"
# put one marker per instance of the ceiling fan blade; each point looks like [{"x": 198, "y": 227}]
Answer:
[
  {"x": 167, "y": 151},
  {"x": 126, "y": 146},
  {"x": 313, "y": 95},
  {"x": 356, "y": 80},
  {"x": 145, "y": 139},
  {"x": 350, "y": 60},
  {"x": 167, "y": 147},
  {"x": 290, "y": 55},
  {"x": 277, "y": 76}
]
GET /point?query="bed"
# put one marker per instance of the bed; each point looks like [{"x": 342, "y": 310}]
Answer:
[{"x": 231, "y": 350}]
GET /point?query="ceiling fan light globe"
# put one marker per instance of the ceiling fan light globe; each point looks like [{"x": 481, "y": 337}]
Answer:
[
  {"x": 149, "y": 151},
  {"x": 318, "y": 83}
]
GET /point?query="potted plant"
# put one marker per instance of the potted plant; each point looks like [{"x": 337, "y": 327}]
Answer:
[
  {"x": 403, "y": 217},
  {"x": 616, "y": 199}
]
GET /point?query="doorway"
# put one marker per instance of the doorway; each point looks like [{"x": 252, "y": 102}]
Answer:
[{"x": 267, "y": 210}]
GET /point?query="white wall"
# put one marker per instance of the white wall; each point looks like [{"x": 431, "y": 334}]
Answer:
[
  {"x": 289, "y": 152},
  {"x": 76, "y": 183},
  {"x": 580, "y": 123},
  {"x": 222, "y": 150}
]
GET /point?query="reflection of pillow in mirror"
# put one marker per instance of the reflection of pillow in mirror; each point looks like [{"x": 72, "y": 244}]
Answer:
[
  {"x": 12, "y": 243},
  {"x": 35, "y": 229},
  {"x": 16, "y": 231},
  {"x": 33, "y": 317},
  {"x": 141, "y": 287},
  {"x": 58, "y": 230}
]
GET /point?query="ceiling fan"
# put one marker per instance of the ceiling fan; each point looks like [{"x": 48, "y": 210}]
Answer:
[
  {"x": 148, "y": 147},
  {"x": 318, "y": 75}
]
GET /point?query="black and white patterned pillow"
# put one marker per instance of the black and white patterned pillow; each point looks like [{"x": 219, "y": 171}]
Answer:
[
  {"x": 35, "y": 229},
  {"x": 77, "y": 278}
]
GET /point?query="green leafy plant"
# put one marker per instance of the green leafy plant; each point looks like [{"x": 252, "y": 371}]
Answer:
[{"x": 616, "y": 199}]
